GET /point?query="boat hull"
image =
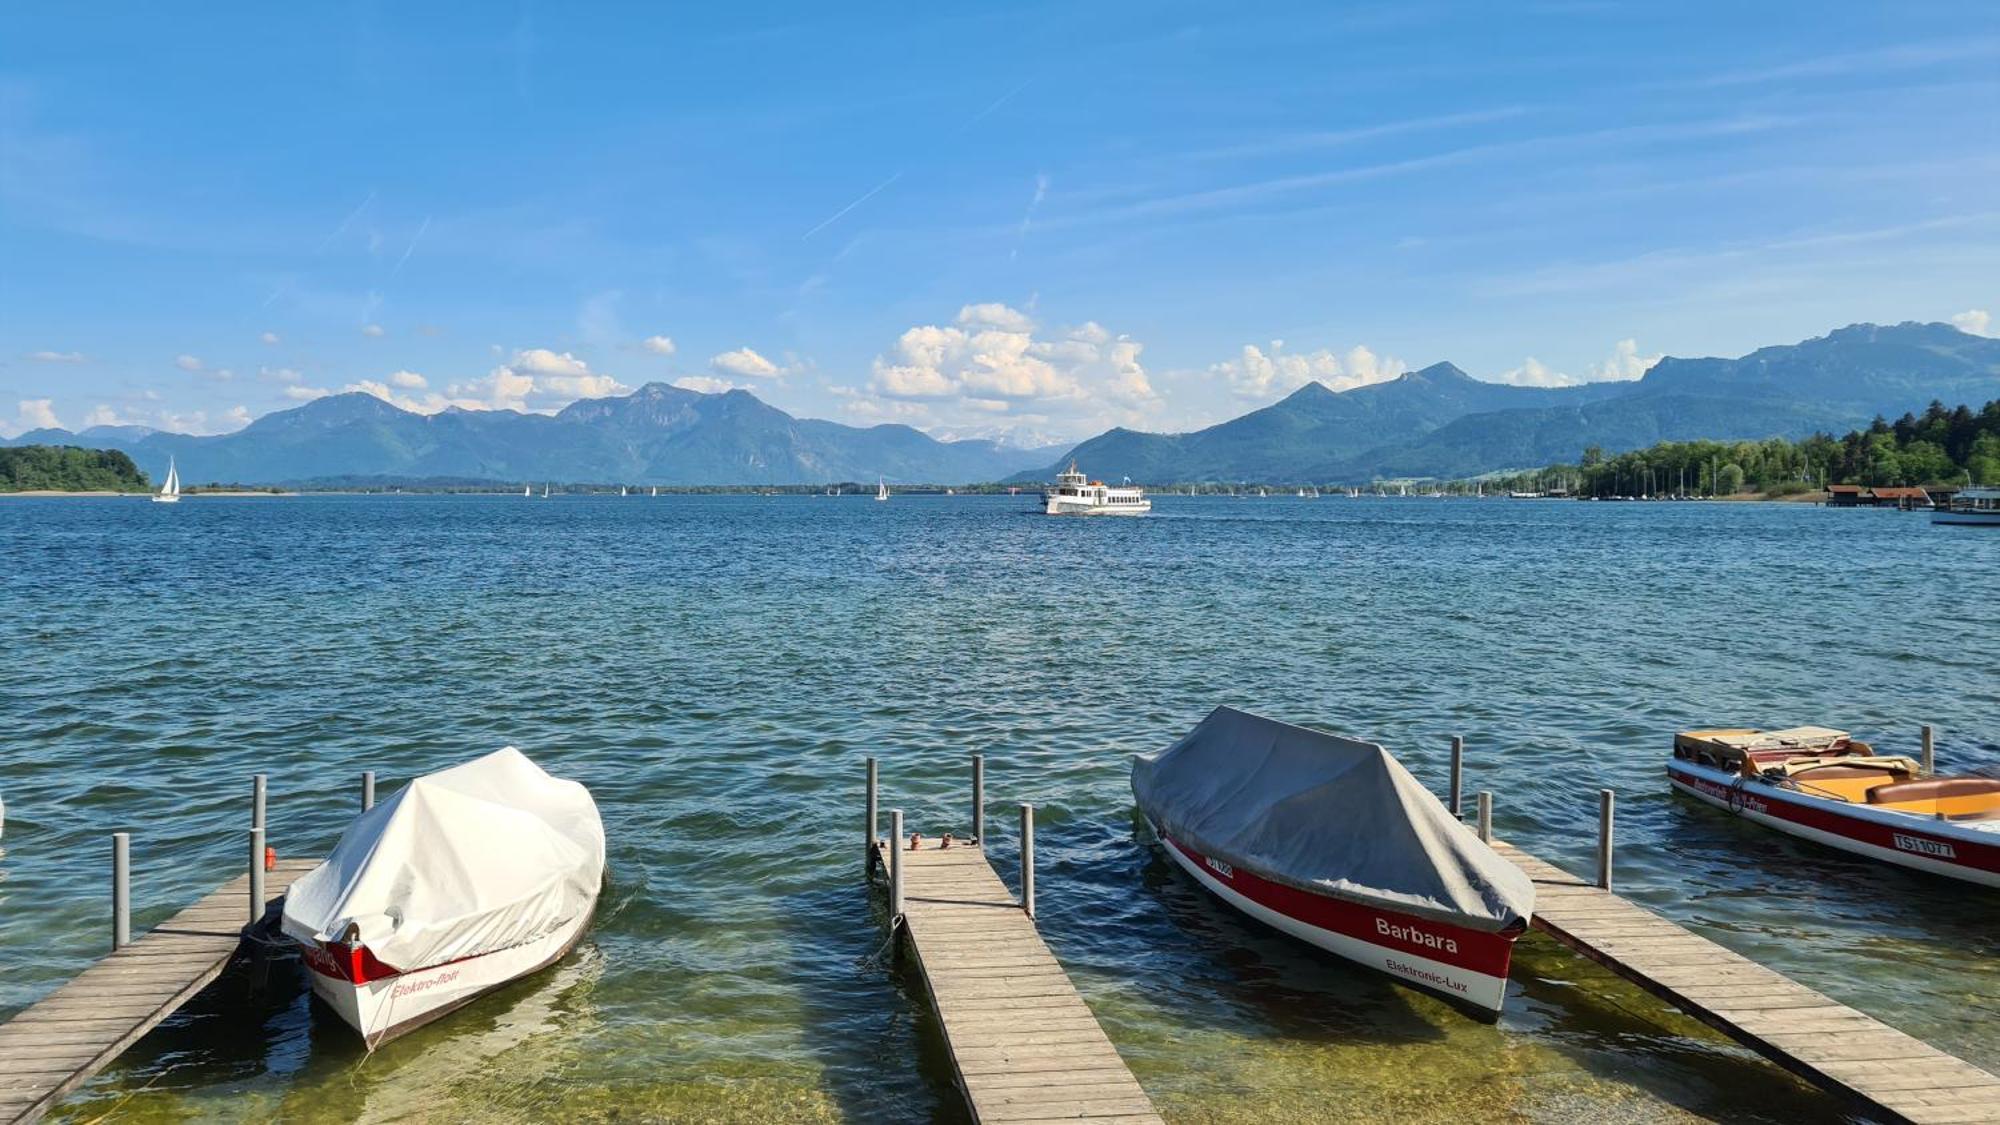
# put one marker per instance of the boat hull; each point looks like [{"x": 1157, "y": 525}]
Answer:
[
  {"x": 1463, "y": 965},
  {"x": 386, "y": 1007},
  {"x": 1967, "y": 519},
  {"x": 1059, "y": 506},
  {"x": 162, "y": 498},
  {"x": 1955, "y": 850}
]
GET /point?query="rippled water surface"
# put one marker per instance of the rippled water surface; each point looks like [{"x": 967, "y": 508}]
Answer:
[{"x": 717, "y": 668}]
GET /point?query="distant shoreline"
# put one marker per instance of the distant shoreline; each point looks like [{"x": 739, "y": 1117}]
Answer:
[{"x": 51, "y": 493}]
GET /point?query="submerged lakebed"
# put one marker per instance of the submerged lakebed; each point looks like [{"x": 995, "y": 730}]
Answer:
[{"x": 716, "y": 668}]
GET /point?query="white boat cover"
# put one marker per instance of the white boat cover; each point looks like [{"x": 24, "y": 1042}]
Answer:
[
  {"x": 469, "y": 860},
  {"x": 1329, "y": 815}
]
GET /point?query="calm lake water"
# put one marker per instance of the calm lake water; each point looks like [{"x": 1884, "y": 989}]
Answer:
[{"x": 717, "y": 668}]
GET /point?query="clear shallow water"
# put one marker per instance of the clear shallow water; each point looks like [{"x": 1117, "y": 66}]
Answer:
[{"x": 716, "y": 668}]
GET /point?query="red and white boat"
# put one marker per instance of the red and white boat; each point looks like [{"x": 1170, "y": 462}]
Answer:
[
  {"x": 465, "y": 880},
  {"x": 1822, "y": 785},
  {"x": 1332, "y": 841}
]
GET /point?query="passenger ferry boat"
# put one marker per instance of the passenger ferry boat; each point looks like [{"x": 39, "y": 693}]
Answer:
[
  {"x": 1077, "y": 495},
  {"x": 1979, "y": 507},
  {"x": 1824, "y": 786}
]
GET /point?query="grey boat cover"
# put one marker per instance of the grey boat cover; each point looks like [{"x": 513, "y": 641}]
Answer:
[{"x": 1328, "y": 815}]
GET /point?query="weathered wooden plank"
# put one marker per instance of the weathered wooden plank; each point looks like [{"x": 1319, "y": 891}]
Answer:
[
  {"x": 1024, "y": 1046},
  {"x": 1851, "y": 1053},
  {"x": 55, "y": 1045}
]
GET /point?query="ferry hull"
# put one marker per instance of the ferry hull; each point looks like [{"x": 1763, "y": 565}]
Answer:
[
  {"x": 386, "y": 1007},
  {"x": 1938, "y": 847},
  {"x": 1463, "y": 965},
  {"x": 1057, "y": 506}
]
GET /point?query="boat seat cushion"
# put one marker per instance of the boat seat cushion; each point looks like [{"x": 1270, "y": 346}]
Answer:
[{"x": 1933, "y": 789}]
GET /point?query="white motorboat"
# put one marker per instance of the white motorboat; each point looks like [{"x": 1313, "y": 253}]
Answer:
[
  {"x": 1977, "y": 507},
  {"x": 464, "y": 880},
  {"x": 1077, "y": 495},
  {"x": 1331, "y": 840},
  {"x": 170, "y": 490}
]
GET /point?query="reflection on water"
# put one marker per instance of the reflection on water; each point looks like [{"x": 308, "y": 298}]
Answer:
[{"x": 716, "y": 668}]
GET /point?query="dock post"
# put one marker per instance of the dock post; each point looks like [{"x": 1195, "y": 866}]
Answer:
[
  {"x": 1485, "y": 816},
  {"x": 1606, "y": 800},
  {"x": 256, "y": 874},
  {"x": 1930, "y": 752},
  {"x": 367, "y": 790},
  {"x": 874, "y": 818},
  {"x": 1458, "y": 776},
  {"x": 121, "y": 890},
  {"x": 979, "y": 799},
  {"x": 258, "y": 787},
  {"x": 895, "y": 868},
  {"x": 1028, "y": 859}
]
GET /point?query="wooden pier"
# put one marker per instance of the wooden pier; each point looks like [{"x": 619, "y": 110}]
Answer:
[
  {"x": 1894, "y": 1076},
  {"x": 56, "y": 1045},
  {"x": 1025, "y": 1049}
]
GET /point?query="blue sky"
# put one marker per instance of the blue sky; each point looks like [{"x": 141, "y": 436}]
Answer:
[{"x": 1029, "y": 222}]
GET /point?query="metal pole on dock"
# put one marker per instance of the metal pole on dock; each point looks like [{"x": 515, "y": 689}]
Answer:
[
  {"x": 1458, "y": 777},
  {"x": 258, "y": 787},
  {"x": 1486, "y": 816},
  {"x": 1028, "y": 859},
  {"x": 121, "y": 890},
  {"x": 895, "y": 867},
  {"x": 367, "y": 790},
  {"x": 1606, "y": 800},
  {"x": 1930, "y": 751},
  {"x": 256, "y": 874},
  {"x": 868, "y": 861},
  {"x": 979, "y": 798}
]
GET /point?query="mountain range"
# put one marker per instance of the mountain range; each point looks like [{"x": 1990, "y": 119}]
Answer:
[
  {"x": 658, "y": 434},
  {"x": 1435, "y": 422},
  {"x": 1441, "y": 422}
]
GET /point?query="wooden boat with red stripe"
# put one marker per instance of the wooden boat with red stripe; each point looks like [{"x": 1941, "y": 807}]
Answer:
[
  {"x": 1824, "y": 786},
  {"x": 1329, "y": 839},
  {"x": 1461, "y": 964},
  {"x": 381, "y": 1002}
]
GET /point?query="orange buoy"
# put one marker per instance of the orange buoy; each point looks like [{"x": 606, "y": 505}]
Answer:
[{"x": 270, "y": 859}]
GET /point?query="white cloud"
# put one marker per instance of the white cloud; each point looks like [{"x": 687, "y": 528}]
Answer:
[
  {"x": 35, "y": 414},
  {"x": 535, "y": 379},
  {"x": 102, "y": 415},
  {"x": 1534, "y": 373},
  {"x": 236, "y": 417},
  {"x": 746, "y": 364},
  {"x": 299, "y": 393},
  {"x": 1975, "y": 321},
  {"x": 408, "y": 380},
  {"x": 268, "y": 338},
  {"x": 707, "y": 385},
  {"x": 56, "y": 357},
  {"x": 659, "y": 345},
  {"x": 279, "y": 374},
  {"x": 1260, "y": 375},
  {"x": 375, "y": 331},
  {"x": 1625, "y": 363},
  {"x": 992, "y": 373},
  {"x": 188, "y": 363}
]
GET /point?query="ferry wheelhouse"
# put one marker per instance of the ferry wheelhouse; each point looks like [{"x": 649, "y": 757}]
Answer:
[
  {"x": 1077, "y": 495},
  {"x": 1979, "y": 507}
]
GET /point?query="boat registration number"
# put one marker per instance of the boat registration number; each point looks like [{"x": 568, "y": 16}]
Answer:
[
  {"x": 1921, "y": 846},
  {"x": 1220, "y": 868}
]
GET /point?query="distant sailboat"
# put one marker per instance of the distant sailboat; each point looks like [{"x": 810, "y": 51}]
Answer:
[
  {"x": 527, "y": 491},
  {"x": 170, "y": 492},
  {"x": 545, "y": 492},
  {"x": 621, "y": 490},
  {"x": 881, "y": 489},
  {"x": 656, "y": 490}
]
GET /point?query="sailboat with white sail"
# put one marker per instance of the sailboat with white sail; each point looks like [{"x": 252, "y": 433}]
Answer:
[
  {"x": 527, "y": 491},
  {"x": 170, "y": 490},
  {"x": 881, "y": 489}
]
